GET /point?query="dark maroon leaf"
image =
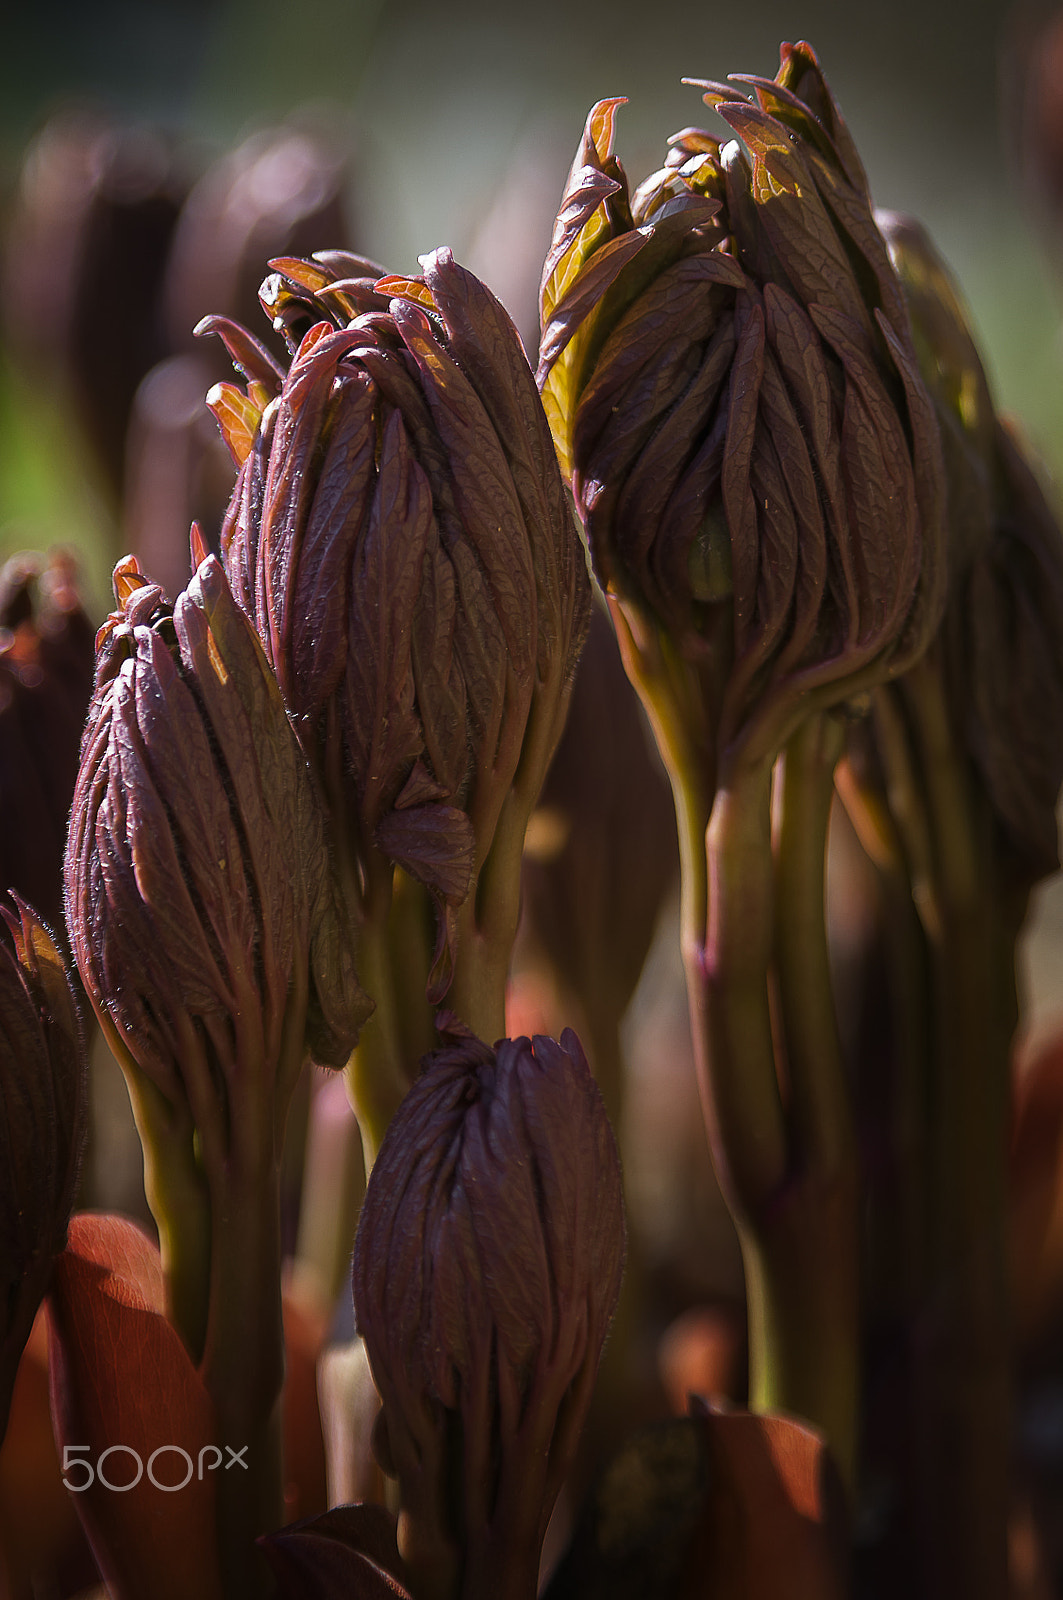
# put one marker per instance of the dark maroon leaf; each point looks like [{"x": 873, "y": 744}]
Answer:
[
  {"x": 348, "y": 1553},
  {"x": 322, "y": 577},
  {"x": 435, "y": 844}
]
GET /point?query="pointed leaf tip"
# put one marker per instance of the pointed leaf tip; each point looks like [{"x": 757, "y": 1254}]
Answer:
[
  {"x": 198, "y": 546},
  {"x": 601, "y": 124},
  {"x": 238, "y": 415},
  {"x": 126, "y": 579}
]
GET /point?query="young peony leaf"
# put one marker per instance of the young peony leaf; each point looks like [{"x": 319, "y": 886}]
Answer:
[
  {"x": 349, "y": 1553},
  {"x": 487, "y": 1267},
  {"x": 737, "y": 404},
  {"x": 127, "y": 1404}
]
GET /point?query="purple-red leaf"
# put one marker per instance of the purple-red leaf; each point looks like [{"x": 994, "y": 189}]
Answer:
[{"x": 349, "y": 1553}]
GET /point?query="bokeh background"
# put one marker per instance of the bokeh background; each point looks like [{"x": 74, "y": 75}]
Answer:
[{"x": 459, "y": 121}]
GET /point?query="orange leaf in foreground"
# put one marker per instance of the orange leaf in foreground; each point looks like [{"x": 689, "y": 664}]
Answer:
[
  {"x": 305, "y": 1331},
  {"x": 776, "y": 1513},
  {"x": 132, "y": 1419},
  {"x": 717, "y": 1505},
  {"x": 40, "y": 1535}
]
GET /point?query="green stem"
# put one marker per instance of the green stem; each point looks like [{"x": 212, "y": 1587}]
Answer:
[
  {"x": 820, "y": 1107},
  {"x": 243, "y": 1358},
  {"x": 908, "y": 805},
  {"x": 786, "y": 1165},
  {"x": 411, "y": 931},
  {"x": 243, "y": 1369},
  {"x": 786, "y": 1171},
  {"x": 728, "y": 978},
  {"x": 486, "y": 924},
  {"x": 481, "y": 967},
  {"x": 179, "y": 1199},
  {"x": 819, "y": 1094},
  {"x": 906, "y": 953},
  {"x": 672, "y": 698},
  {"x": 377, "y": 1074}
]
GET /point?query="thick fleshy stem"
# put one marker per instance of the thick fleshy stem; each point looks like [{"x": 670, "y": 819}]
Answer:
[
  {"x": 377, "y": 1073},
  {"x": 483, "y": 929},
  {"x": 378, "y": 1070},
  {"x": 672, "y": 696},
  {"x": 243, "y": 1369},
  {"x": 179, "y": 1201},
  {"x": 177, "y": 1193},
  {"x": 819, "y": 1100},
  {"x": 730, "y": 998},
  {"x": 794, "y": 1211},
  {"x": 263, "y": 1054},
  {"x": 486, "y": 924},
  {"x": 215, "y": 1196},
  {"x": 785, "y": 1160}
]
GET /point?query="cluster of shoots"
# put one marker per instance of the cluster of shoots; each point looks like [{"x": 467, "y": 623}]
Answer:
[{"x": 760, "y": 429}]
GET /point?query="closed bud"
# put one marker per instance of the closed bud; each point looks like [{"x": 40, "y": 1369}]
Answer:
[
  {"x": 42, "y": 1126},
  {"x": 486, "y": 1270},
  {"x": 728, "y": 368},
  {"x": 401, "y": 537},
  {"x": 200, "y": 901}
]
